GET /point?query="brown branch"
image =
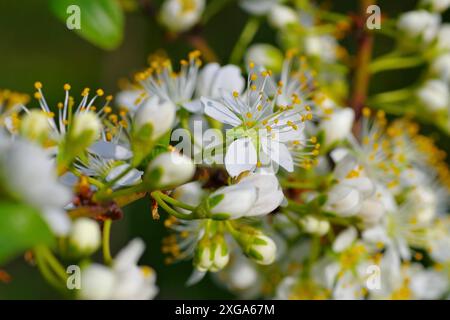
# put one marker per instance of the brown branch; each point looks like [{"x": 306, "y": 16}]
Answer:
[{"x": 361, "y": 74}]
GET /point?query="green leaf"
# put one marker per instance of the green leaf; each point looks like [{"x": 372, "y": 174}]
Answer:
[
  {"x": 21, "y": 228},
  {"x": 101, "y": 21}
]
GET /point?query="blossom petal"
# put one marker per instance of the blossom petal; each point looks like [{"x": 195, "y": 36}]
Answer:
[
  {"x": 241, "y": 156},
  {"x": 220, "y": 112}
]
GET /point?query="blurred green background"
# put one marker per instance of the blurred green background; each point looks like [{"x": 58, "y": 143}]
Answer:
[{"x": 35, "y": 46}]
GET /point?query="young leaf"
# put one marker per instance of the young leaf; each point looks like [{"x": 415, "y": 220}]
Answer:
[
  {"x": 21, "y": 228},
  {"x": 101, "y": 22}
]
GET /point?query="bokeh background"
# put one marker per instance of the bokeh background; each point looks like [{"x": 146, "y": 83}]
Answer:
[{"x": 36, "y": 46}]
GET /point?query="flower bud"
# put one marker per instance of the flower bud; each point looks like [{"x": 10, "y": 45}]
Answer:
[
  {"x": 257, "y": 7},
  {"x": 420, "y": 24},
  {"x": 314, "y": 225},
  {"x": 85, "y": 236},
  {"x": 211, "y": 255},
  {"x": 231, "y": 202},
  {"x": 265, "y": 55},
  {"x": 190, "y": 193},
  {"x": 338, "y": 125},
  {"x": 181, "y": 15},
  {"x": 443, "y": 37},
  {"x": 371, "y": 211},
  {"x": 436, "y": 5},
  {"x": 281, "y": 16},
  {"x": 34, "y": 126},
  {"x": 97, "y": 282},
  {"x": 261, "y": 249},
  {"x": 344, "y": 200},
  {"x": 153, "y": 119},
  {"x": 85, "y": 129},
  {"x": 441, "y": 67},
  {"x": 221, "y": 257},
  {"x": 170, "y": 169},
  {"x": 434, "y": 95},
  {"x": 322, "y": 47}
]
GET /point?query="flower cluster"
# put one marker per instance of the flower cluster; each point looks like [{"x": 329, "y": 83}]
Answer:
[{"x": 261, "y": 176}]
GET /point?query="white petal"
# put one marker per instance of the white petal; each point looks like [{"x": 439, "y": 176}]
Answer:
[
  {"x": 241, "y": 156},
  {"x": 220, "y": 112},
  {"x": 345, "y": 239},
  {"x": 228, "y": 78},
  {"x": 110, "y": 150},
  {"x": 129, "y": 255}
]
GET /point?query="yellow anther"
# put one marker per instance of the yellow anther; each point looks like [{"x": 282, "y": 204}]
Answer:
[
  {"x": 100, "y": 92},
  {"x": 38, "y": 85},
  {"x": 254, "y": 77},
  {"x": 249, "y": 115},
  {"x": 235, "y": 94},
  {"x": 107, "y": 109},
  {"x": 147, "y": 271},
  {"x": 67, "y": 87},
  {"x": 38, "y": 95},
  {"x": 366, "y": 112}
]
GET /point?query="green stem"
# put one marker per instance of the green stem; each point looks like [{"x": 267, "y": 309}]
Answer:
[
  {"x": 49, "y": 275},
  {"x": 174, "y": 202},
  {"x": 53, "y": 262},
  {"x": 101, "y": 196},
  {"x": 395, "y": 63},
  {"x": 169, "y": 210},
  {"x": 106, "y": 237},
  {"x": 214, "y": 8},
  {"x": 391, "y": 96},
  {"x": 247, "y": 35}
]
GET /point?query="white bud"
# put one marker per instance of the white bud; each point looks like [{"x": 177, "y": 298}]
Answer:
[
  {"x": 322, "y": 47},
  {"x": 157, "y": 115},
  {"x": 265, "y": 55},
  {"x": 419, "y": 24},
  {"x": 441, "y": 67},
  {"x": 314, "y": 225},
  {"x": 174, "y": 167},
  {"x": 258, "y": 7},
  {"x": 232, "y": 202},
  {"x": 371, "y": 211},
  {"x": 262, "y": 249},
  {"x": 86, "y": 126},
  {"x": 220, "y": 261},
  {"x": 344, "y": 200},
  {"x": 181, "y": 15},
  {"x": 323, "y": 228},
  {"x": 221, "y": 257},
  {"x": 310, "y": 224},
  {"x": 203, "y": 258},
  {"x": 281, "y": 16},
  {"x": 34, "y": 125},
  {"x": 443, "y": 37},
  {"x": 97, "y": 282},
  {"x": 85, "y": 236},
  {"x": 190, "y": 193},
  {"x": 437, "y": 5},
  {"x": 338, "y": 125},
  {"x": 434, "y": 95}
]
